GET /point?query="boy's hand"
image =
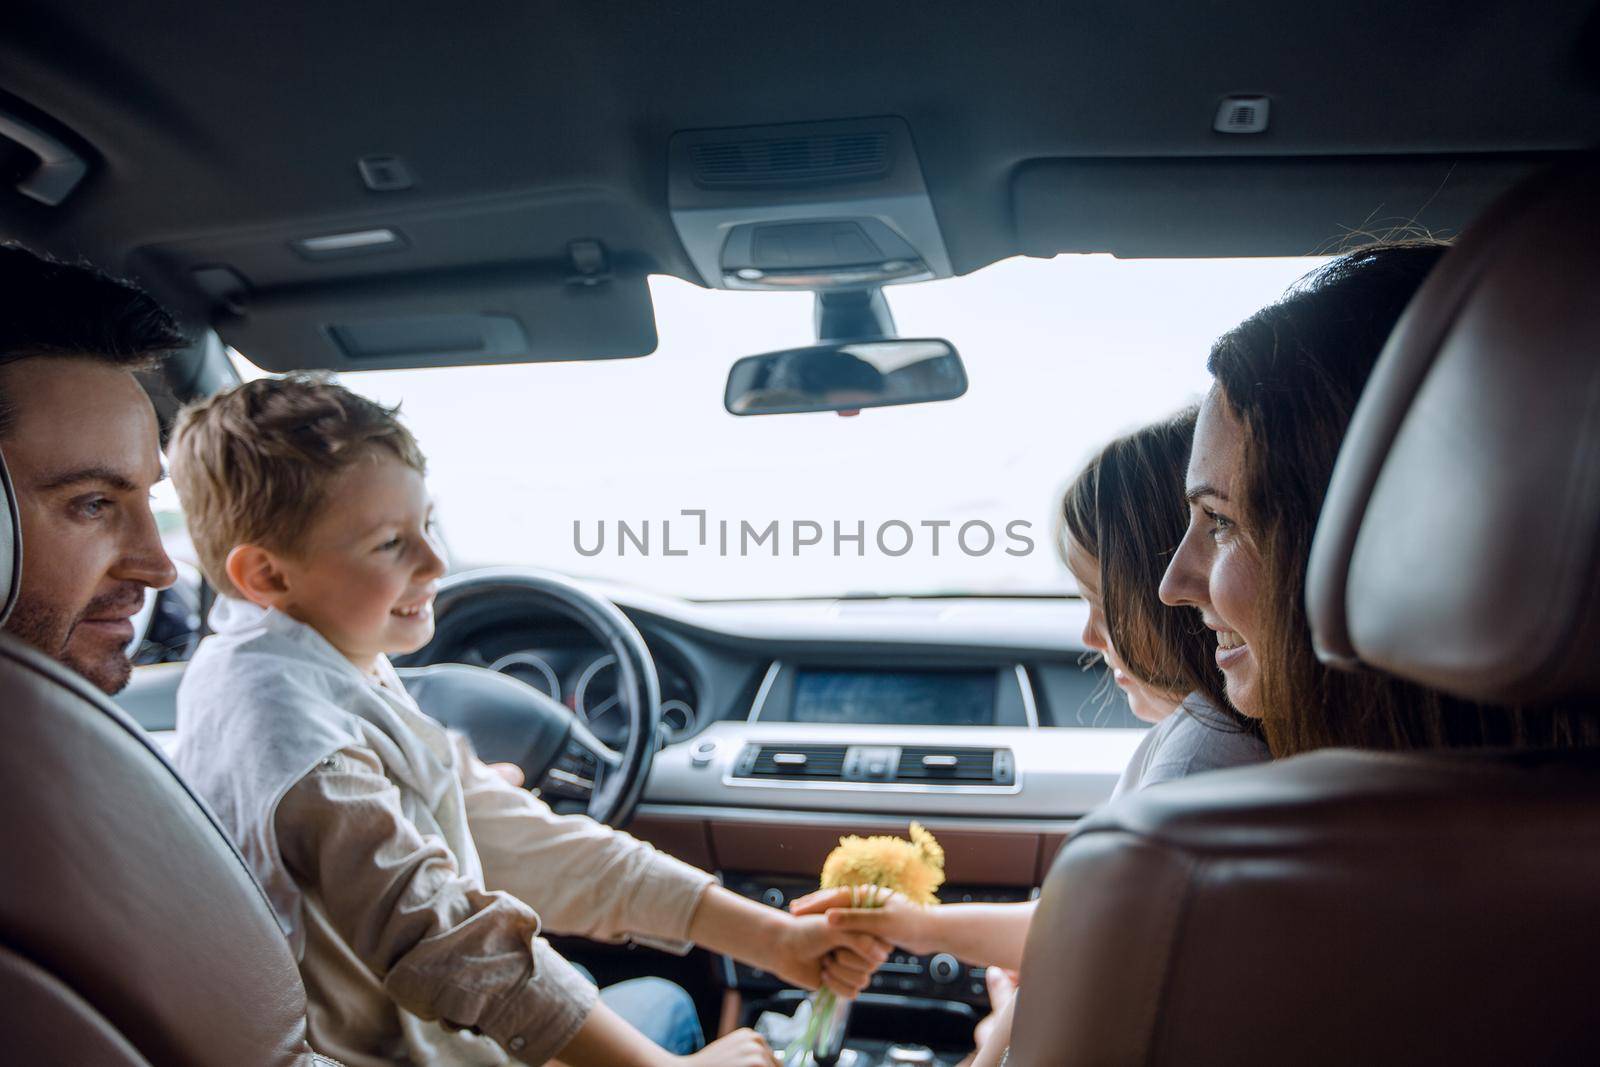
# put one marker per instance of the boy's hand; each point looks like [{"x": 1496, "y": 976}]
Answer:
[
  {"x": 510, "y": 772},
  {"x": 742, "y": 1048},
  {"x": 895, "y": 919},
  {"x": 806, "y": 952},
  {"x": 810, "y": 953}
]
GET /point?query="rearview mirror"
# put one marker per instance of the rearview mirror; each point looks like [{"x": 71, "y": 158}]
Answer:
[{"x": 846, "y": 377}]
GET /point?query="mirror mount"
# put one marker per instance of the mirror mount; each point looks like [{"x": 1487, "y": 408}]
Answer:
[{"x": 853, "y": 315}]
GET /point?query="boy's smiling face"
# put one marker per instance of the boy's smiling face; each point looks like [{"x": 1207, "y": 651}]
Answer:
[{"x": 365, "y": 573}]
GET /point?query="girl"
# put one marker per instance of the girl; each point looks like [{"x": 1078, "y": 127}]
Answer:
[{"x": 1120, "y": 521}]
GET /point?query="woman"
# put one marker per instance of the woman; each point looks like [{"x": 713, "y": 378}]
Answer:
[
  {"x": 1120, "y": 520},
  {"x": 1287, "y": 382}
]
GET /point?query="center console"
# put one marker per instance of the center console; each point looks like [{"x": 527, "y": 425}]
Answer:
[{"x": 947, "y": 996}]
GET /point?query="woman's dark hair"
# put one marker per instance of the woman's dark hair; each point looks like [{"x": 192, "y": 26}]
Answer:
[
  {"x": 1126, "y": 510},
  {"x": 67, "y": 309},
  {"x": 1291, "y": 374}
]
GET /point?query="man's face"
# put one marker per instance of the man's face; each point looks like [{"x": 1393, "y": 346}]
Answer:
[{"x": 84, "y": 453}]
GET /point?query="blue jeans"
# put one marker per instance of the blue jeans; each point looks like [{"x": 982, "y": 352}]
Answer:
[{"x": 658, "y": 1009}]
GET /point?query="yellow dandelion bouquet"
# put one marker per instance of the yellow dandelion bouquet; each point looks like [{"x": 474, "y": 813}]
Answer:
[{"x": 868, "y": 867}]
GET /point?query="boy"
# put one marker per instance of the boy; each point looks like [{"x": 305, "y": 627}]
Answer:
[{"x": 398, "y": 864}]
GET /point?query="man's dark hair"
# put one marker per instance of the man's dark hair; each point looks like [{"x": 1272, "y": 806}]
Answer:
[{"x": 50, "y": 308}]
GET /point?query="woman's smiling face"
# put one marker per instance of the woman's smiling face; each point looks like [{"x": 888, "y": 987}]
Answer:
[{"x": 1217, "y": 567}]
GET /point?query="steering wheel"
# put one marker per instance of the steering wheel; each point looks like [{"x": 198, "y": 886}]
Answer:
[{"x": 511, "y": 721}]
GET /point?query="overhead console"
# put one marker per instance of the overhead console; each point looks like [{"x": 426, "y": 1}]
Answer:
[{"x": 805, "y": 206}]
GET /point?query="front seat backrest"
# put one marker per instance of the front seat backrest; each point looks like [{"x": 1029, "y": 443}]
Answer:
[
  {"x": 131, "y": 932},
  {"x": 1359, "y": 907}
]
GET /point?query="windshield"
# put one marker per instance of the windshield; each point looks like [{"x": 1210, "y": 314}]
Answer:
[{"x": 631, "y": 470}]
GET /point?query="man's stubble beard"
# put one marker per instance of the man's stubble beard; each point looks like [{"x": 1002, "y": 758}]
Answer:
[{"x": 50, "y": 631}]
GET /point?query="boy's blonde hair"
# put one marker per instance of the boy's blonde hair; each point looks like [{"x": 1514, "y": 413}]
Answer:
[{"x": 252, "y": 463}]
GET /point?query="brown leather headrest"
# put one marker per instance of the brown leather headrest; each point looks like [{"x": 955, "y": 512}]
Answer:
[{"x": 1459, "y": 545}]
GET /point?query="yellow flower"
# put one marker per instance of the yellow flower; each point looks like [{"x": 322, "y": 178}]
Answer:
[{"x": 914, "y": 868}]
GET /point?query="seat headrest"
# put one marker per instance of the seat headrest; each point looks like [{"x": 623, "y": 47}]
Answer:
[
  {"x": 1459, "y": 545},
  {"x": 10, "y": 544}
]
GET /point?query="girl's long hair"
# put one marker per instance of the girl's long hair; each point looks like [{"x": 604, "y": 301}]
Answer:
[{"x": 1126, "y": 510}]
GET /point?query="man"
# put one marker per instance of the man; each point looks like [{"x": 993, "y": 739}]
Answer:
[{"x": 82, "y": 443}]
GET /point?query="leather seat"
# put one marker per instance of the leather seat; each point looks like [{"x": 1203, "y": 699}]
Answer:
[
  {"x": 130, "y": 930},
  {"x": 1346, "y": 907}
]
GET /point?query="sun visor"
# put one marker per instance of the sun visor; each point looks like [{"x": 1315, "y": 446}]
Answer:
[
  {"x": 1156, "y": 208},
  {"x": 458, "y": 318}
]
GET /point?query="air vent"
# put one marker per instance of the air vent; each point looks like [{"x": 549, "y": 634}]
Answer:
[
  {"x": 1242, "y": 114},
  {"x": 792, "y": 762},
  {"x": 724, "y": 164},
  {"x": 888, "y": 765},
  {"x": 963, "y": 766}
]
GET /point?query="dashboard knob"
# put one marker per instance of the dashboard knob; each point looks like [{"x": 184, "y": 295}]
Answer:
[
  {"x": 772, "y": 897},
  {"x": 944, "y": 968}
]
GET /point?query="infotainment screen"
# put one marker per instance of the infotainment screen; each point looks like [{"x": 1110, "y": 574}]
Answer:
[{"x": 900, "y": 698}]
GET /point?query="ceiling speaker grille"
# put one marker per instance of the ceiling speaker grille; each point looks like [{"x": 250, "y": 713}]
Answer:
[{"x": 854, "y": 156}]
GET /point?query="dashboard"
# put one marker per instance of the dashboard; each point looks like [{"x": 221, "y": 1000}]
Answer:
[
  {"x": 564, "y": 662},
  {"x": 927, "y": 707}
]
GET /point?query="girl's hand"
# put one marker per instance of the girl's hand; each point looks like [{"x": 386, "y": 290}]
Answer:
[
  {"x": 1002, "y": 991},
  {"x": 742, "y": 1048},
  {"x": 895, "y": 919}
]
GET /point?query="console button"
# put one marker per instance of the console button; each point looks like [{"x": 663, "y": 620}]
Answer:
[
  {"x": 870, "y": 763},
  {"x": 772, "y": 896},
  {"x": 944, "y": 968}
]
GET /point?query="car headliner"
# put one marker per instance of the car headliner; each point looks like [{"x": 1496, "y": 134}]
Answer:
[{"x": 218, "y": 131}]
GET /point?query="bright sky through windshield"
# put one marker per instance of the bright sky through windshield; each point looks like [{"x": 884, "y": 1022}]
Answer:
[{"x": 542, "y": 464}]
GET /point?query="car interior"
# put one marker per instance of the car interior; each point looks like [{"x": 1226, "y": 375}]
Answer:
[{"x": 346, "y": 188}]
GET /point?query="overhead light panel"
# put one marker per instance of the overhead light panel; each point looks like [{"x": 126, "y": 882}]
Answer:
[{"x": 355, "y": 242}]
